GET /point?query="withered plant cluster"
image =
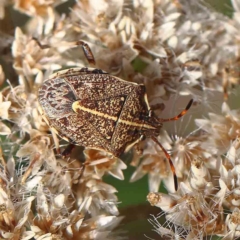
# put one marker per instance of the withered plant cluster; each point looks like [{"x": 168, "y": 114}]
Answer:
[{"x": 179, "y": 50}]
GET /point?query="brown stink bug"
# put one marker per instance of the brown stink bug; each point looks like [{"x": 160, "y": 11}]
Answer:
[{"x": 90, "y": 108}]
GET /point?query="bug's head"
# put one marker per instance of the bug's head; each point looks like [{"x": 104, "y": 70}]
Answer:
[{"x": 152, "y": 125}]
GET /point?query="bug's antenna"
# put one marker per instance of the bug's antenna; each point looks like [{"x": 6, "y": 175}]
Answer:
[
  {"x": 170, "y": 162},
  {"x": 179, "y": 115}
]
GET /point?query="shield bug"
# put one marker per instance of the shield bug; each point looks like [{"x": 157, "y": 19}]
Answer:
[{"x": 91, "y": 108}]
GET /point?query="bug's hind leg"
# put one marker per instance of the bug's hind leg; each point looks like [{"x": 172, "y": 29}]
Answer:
[{"x": 85, "y": 47}]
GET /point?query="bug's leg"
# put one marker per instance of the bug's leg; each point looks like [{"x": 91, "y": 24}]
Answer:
[
  {"x": 67, "y": 151},
  {"x": 179, "y": 115},
  {"x": 40, "y": 45},
  {"x": 85, "y": 47},
  {"x": 87, "y": 52},
  {"x": 170, "y": 162}
]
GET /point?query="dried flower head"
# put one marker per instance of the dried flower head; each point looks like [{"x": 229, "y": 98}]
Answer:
[
  {"x": 101, "y": 162},
  {"x": 197, "y": 214},
  {"x": 223, "y": 129},
  {"x": 175, "y": 48}
]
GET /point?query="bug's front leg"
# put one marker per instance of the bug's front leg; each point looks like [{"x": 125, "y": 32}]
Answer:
[
  {"x": 85, "y": 47},
  {"x": 68, "y": 150},
  {"x": 87, "y": 52}
]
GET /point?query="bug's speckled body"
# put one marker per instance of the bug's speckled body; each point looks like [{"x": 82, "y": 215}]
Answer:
[{"x": 91, "y": 108}]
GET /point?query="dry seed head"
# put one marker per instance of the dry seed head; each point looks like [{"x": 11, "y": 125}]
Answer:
[
  {"x": 163, "y": 201},
  {"x": 154, "y": 35},
  {"x": 232, "y": 224},
  {"x": 235, "y": 218},
  {"x": 101, "y": 162}
]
